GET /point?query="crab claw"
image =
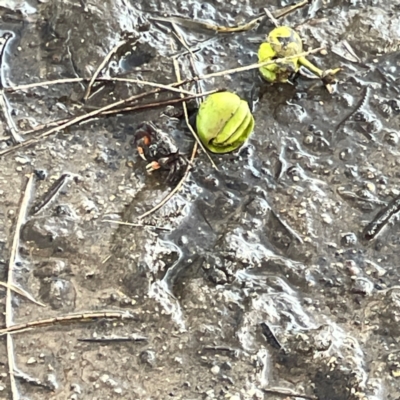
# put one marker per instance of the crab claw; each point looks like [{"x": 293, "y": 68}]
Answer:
[
  {"x": 142, "y": 141},
  {"x": 141, "y": 152},
  {"x": 153, "y": 166}
]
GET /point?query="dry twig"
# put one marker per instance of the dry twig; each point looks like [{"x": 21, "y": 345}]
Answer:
[
  {"x": 170, "y": 87},
  {"x": 176, "y": 189},
  {"x": 82, "y": 317},
  {"x": 14, "y": 248},
  {"x": 184, "y": 105},
  {"x": 271, "y": 17},
  {"x": 10, "y": 278},
  {"x": 101, "y": 66},
  {"x": 22, "y": 292},
  {"x": 136, "y": 225},
  {"x": 52, "y": 193},
  {"x": 39, "y": 128},
  {"x": 288, "y": 393},
  {"x": 4, "y": 106},
  {"x": 12, "y": 89},
  {"x": 159, "y": 104},
  {"x": 116, "y": 111},
  {"x": 114, "y": 339},
  {"x": 11, "y": 367},
  {"x": 189, "y": 23},
  {"x": 250, "y": 67},
  {"x": 101, "y": 111}
]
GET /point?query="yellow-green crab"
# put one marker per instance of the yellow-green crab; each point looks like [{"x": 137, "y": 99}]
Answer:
[
  {"x": 224, "y": 122},
  {"x": 282, "y": 42}
]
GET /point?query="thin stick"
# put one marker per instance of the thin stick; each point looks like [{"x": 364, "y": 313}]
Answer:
[
  {"x": 83, "y": 317},
  {"x": 270, "y": 336},
  {"x": 10, "y": 278},
  {"x": 11, "y": 367},
  {"x": 98, "y": 79},
  {"x": 4, "y": 106},
  {"x": 160, "y": 103},
  {"x": 90, "y": 115},
  {"x": 62, "y": 121},
  {"x": 256, "y": 65},
  {"x": 14, "y": 248},
  {"x": 38, "y": 128},
  {"x": 180, "y": 38},
  {"x": 288, "y": 392},
  {"x": 230, "y": 29},
  {"x": 101, "y": 66},
  {"x": 111, "y": 112},
  {"x": 176, "y": 188},
  {"x": 34, "y": 381},
  {"x": 184, "y": 105},
  {"x": 52, "y": 193},
  {"x": 291, "y": 231},
  {"x": 381, "y": 219},
  {"x": 22, "y": 293},
  {"x": 360, "y": 104},
  {"x": 136, "y": 225},
  {"x": 11, "y": 89},
  {"x": 115, "y": 339},
  {"x": 169, "y": 87},
  {"x": 16, "y": 137},
  {"x": 271, "y": 17},
  {"x": 282, "y": 12}
]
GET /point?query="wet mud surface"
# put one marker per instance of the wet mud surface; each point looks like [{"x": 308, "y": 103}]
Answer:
[{"x": 263, "y": 276}]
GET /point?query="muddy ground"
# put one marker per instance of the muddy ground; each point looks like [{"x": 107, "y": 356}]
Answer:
[{"x": 262, "y": 278}]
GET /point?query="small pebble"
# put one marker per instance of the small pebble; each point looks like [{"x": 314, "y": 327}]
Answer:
[
  {"x": 32, "y": 360},
  {"x": 215, "y": 370},
  {"x": 371, "y": 187},
  {"x": 349, "y": 239},
  {"x": 22, "y": 160},
  {"x": 308, "y": 139},
  {"x": 352, "y": 268},
  {"x": 392, "y": 138},
  {"x": 76, "y": 388},
  {"x": 327, "y": 219}
]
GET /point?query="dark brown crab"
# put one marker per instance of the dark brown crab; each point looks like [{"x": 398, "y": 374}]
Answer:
[{"x": 157, "y": 147}]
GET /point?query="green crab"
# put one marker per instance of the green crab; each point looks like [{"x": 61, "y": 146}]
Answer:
[
  {"x": 224, "y": 122},
  {"x": 282, "y": 42}
]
